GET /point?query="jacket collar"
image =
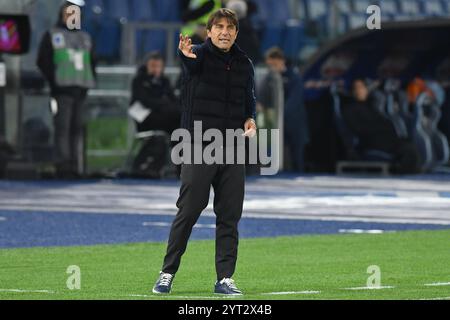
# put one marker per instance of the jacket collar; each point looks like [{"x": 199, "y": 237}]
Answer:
[{"x": 235, "y": 51}]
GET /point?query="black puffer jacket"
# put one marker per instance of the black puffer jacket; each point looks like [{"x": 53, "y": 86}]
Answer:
[
  {"x": 157, "y": 95},
  {"x": 218, "y": 88}
]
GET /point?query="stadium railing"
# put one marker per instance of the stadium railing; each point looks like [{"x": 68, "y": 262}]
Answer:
[
  {"x": 130, "y": 31},
  {"x": 110, "y": 131}
]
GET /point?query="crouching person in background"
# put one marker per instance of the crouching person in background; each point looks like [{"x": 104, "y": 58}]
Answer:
[{"x": 153, "y": 92}]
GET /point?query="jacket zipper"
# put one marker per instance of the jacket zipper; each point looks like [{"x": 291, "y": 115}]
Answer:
[{"x": 227, "y": 98}]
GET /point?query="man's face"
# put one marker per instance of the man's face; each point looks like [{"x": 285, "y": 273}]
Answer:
[
  {"x": 360, "y": 91},
  {"x": 155, "y": 67},
  {"x": 276, "y": 65},
  {"x": 223, "y": 34}
]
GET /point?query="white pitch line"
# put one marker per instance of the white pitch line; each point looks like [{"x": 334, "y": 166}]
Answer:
[
  {"x": 177, "y": 297},
  {"x": 27, "y": 291},
  {"x": 291, "y": 292},
  {"x": 361, "y": 231},
  {"x": 439, "y": 298},
  {"x": 165, "y": 224},
  {"x": 370, "y": 288},
  {"x": 437, "y": 284}
]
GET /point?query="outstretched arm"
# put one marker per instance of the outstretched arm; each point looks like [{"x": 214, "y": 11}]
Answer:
[{"x": 190, "y": 54}]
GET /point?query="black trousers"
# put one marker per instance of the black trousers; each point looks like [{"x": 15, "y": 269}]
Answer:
[
  {"x": 228, "y": 182},
  {"x": 69, "y": 126}
]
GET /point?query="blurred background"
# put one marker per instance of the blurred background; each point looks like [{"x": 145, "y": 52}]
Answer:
[{"x": 347, "y": 99}]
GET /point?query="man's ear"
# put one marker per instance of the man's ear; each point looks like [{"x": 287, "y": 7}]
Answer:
[{"x": 208, "y": 33}]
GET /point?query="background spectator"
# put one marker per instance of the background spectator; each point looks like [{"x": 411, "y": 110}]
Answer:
[
  {"x": 375, "y": 131},
  {"x": 295, "y": 117},
  {"x": 154, "y": 91},
  {"x": 247, "y": 38}
]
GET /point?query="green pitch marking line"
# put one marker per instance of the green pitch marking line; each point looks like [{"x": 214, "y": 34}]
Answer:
[{"x": 287, "y": 266}]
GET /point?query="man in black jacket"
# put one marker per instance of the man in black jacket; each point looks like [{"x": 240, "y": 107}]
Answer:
[
  {"x": 153, "y": 90},
  {"x": 66, "y": 59},
  {"x": 376, "y": 132},
  {"x": 218, "y": 91}
]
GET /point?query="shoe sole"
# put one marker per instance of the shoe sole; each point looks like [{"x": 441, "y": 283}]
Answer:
[
  {"x": 229, "y": 294},
  {"x": 160, "y": 293}
]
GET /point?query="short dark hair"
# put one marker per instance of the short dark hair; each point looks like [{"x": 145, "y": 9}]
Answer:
[
  {"x": 154, "y": 55},
  {"x": 275, "y": 53},
  {"x": 228, "y": 14}
]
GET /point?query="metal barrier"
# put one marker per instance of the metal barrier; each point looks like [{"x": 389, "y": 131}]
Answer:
[{"x": 129, "y": 31}]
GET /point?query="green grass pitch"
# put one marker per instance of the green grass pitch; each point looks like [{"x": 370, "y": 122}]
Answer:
[{"x": 329, "y": 264}]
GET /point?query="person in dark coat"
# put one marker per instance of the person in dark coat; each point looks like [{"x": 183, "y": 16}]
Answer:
[
  {"x": 296, "y": 132},
  {"x": 153, "y": 90},
  {"x": 247, "y": 39},
  {"x": 375, "y": 131},
  {"x": 218, "y": 92}
]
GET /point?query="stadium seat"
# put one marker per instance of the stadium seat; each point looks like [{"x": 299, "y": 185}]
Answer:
[
  {"x": 404, "y": 17},
  {"x": 272, "y": 36},
  {"x": 108, "y": 40},
  {"x": 410, "y": 7},
  {"x": 140, "y": 10},
  {"x": 280, "y": 12},
  {"x": 354, "y": 20},
  {"x": 439, "y": 142},
  {"x": 446, "y": 5},
  {"x": 348, "y": 138},
  {"x": 153, "y": 40},
  {"x": 433, "y": 8},
  {"x": 417, "y": 132},
  {"x": 316, "y": 8},
  {"x": 93, "y": 9},
  {"x": 167, "y": 10},
  {"x": 389, "y": 7},
  {"x": 393, "y": 108},
  {"x": 272, "y": 13},
  {"x": 262, "y": 15},
  {"x": 344, "y": 6},
  {"x": 293, "y": 38},
  {"x": 92, "y": 14},
  {"x": 117, "y": 9},
  {"x": 360, "y": 6}
]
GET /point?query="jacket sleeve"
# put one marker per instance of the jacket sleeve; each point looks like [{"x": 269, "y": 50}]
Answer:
[
  {"x": 141, "y": 94},
  {"x": 45, "y": 59},
  {"x": 250, "y": 103},
  {"x": 94, "y": 61},
  {"x": 190, "y": 65}
]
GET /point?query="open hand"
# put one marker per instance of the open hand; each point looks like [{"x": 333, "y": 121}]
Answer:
[{"x": 185, "y": 46}]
